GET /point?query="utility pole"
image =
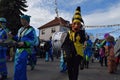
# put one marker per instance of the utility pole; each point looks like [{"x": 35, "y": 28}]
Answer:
[{"x": 56, "y": 9}]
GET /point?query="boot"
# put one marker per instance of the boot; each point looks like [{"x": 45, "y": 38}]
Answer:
[
  {"x": 81, "y": 66},
  {"x": 87, "y": 64},
  {"x": 32, "y": 67}
]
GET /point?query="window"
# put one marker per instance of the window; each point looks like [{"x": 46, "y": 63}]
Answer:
[
  {"x": 53, "y": 30},
  {"x": 43, "y": 32}
]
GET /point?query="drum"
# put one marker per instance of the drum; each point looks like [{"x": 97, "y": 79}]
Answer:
[{"x": 57, "y": 40}]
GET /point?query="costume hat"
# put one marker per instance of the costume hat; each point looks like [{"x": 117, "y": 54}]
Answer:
[
  {"x": 77, "y": 16},
  {"x": 26, "y": 17},
  {"x": 106, "y": 35},
  {"x": 3, "y": 20}
]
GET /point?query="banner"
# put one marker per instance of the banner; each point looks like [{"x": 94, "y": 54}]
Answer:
[{"x": 100, "y": 26}]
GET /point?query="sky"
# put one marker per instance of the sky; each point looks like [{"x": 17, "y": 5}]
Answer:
[{"x": 94, "y": 13}]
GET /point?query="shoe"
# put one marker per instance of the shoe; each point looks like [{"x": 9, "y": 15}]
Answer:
[{"x": 82, "y": 66}]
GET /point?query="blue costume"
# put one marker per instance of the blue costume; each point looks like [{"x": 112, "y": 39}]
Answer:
[
  {"x": 88, "y": 49},
  {"x": 32, "y": 59},
  {"x": 3, "y": 50},
  {"x": 26, "y": 35},
  {"x": 88, "y": 52},
  {"x": 63, "y": 66},
  {"x": 49, "y": 51}
]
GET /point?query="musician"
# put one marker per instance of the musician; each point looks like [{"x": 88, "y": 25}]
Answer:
[
  {"x": 3, "y": 50},
  {"x": 49, "y": 50},
  {"x": 25, "y": 39},
  {"x": 73, "y": 45}
]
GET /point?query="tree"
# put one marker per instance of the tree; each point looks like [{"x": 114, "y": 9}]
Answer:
[{"x": 11, "y": 10}]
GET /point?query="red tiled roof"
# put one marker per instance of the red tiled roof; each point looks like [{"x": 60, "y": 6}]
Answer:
[{"x": 56, "y": 21}]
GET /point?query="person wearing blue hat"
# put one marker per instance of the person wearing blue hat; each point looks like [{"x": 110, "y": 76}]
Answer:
[
  {"x": 3, "y": 20},
  {"x": 32, "y": 59},
  {"x": 25, "y": 39},
  {"x": 26, "y": 17},
  {"x": 3, "y": 50}
]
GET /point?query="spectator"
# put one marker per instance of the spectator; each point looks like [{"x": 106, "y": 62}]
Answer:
[
  {"x": 109, "y": 49},
  {"x": 3, "y": 49}
]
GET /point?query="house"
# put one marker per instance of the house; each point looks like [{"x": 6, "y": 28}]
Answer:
[{"x": 56, "y": 25}]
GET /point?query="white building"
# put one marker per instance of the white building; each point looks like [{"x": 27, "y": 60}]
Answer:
[{"x": 56, "y": 25}]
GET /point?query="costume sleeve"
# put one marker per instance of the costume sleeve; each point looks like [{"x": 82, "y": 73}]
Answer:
[
  {"x": 107, "y": 44},
  {"x": 102, "y": 43},
  {"x": 29, "y": 39},
  {"x": 82, "y": 35},
  {"x": 4, "y": 36},
  {"x": 68, "y": 47}
]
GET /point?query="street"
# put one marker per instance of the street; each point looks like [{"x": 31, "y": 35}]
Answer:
[{"x": 51, "y": 71}]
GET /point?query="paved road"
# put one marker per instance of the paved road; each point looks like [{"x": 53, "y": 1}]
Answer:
[{"x": 50, "y": 71}]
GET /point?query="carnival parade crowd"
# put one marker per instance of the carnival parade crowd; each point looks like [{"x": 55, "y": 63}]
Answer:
[{"x": 76, "y": 51}]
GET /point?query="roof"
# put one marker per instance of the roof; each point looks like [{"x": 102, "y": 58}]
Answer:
[{"x": 55, "y": 22}]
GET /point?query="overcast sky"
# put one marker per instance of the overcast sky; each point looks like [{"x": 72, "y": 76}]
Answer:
[{"x": 94, "y": 12}]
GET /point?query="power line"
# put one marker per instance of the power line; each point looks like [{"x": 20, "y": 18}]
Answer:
[{"x": 114, "y": 31}]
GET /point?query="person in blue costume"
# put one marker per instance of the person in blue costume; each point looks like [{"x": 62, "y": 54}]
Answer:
[
  {"x": 25, "y": 42},
  {"x": 49, "y": 50},
  {"x": 32, "y": 59},
  {"x": 3, "y": 49},
  {"x": 87, "y": 51},
  {"x": 63, "y": 65}
]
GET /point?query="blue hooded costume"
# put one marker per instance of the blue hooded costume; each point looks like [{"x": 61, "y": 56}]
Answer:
[
  {"x": 26, "y": 35},
  {"x": 3, "y": 50}
]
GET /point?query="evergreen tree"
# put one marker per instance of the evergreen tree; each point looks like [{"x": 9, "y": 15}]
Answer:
[{"x": 11, "y": 10}]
